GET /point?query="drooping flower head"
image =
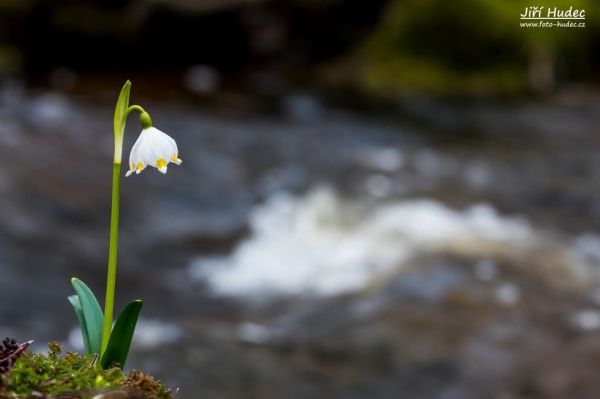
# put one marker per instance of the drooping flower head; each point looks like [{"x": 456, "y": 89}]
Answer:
[{"x": 152, "y": 148}]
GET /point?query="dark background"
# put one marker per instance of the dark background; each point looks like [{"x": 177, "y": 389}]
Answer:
[{"x": 378, "y": 199}]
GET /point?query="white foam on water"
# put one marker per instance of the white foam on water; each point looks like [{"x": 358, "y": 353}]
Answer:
[
  {"x": 586, "y": 320},
  {"x": 253, "y": 333},
  {"x": 508, "y": 294},
  {"x": 319, "y": 244}
]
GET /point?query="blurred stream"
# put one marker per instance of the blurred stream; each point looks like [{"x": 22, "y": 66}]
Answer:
[{"x": 451, "y": 252}]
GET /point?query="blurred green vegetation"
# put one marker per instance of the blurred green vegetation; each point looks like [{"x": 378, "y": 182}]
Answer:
[
  {"x": 437, "y": 47},
  {"x": 10, "y": 58},
  {"x": 469, "y": 47}
]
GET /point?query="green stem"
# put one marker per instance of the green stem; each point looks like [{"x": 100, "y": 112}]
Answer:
[
  {"x": 112, "y": 258},
  {"x": 120, "y": 118},
  {"x": 133, "y": 107},
  {"x": 121, "y": 111}
]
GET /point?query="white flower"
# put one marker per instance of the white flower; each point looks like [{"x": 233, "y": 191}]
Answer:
[{"x": 153, "y": 148}]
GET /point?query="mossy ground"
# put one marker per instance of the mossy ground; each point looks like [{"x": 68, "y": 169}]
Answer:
[{"x": 24, "y": 374}]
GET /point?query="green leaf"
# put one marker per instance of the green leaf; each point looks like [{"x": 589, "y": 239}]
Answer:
[
  {"x": 92, "y": 314},
  {"x": 74, "y": 299},
  {"x": 120, "y": 110},
  {"x": 122, "y": 333}
]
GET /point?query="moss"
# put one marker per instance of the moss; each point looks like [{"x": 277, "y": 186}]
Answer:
[
  {"x": 24, "y": 374},
  {"x": 144, "y": 385}
]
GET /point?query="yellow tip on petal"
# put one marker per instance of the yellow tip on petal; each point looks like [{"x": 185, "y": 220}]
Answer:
[
  {"x": 161, "y": 163},
  {"x": 140, "y": 167},
  {"x": 176, "y": 160},
  {"x": 130, "y": 171}
]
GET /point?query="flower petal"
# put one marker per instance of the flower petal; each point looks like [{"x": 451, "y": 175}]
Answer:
[{"x": 153, "y": 148}]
